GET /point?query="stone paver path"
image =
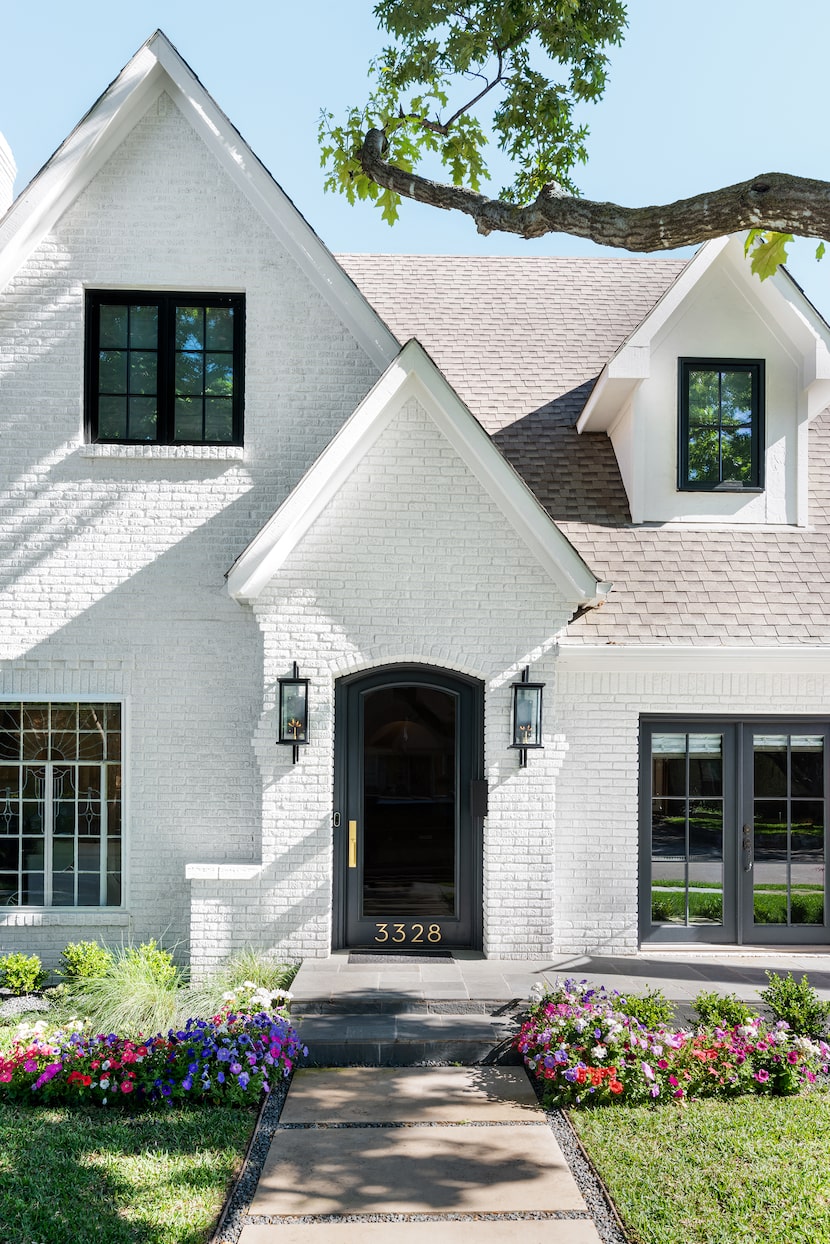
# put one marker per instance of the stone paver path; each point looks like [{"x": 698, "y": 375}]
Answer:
[{"x": 415, "y": 1155}]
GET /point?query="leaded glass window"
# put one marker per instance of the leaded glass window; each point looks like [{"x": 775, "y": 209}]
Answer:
[{"x": 60, "y": 804}]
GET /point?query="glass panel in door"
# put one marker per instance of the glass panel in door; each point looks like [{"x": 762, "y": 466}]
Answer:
[
  {"x": 409, "y": 802},
  {"x": 788, "y": 824},
  {"x": 687, "y": 830}
]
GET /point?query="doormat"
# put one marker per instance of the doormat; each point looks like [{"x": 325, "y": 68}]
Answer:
[{"x": 399, "y": 958}]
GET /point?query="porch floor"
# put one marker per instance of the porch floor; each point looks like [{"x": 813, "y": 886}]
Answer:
[{"x": 466, "y": 1009}]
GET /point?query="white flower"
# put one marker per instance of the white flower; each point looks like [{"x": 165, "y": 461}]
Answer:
[
  {"x": 229, "y": 996},
  {"x": 537, "y": 992},
  {"x": 599, "y": 1052}
]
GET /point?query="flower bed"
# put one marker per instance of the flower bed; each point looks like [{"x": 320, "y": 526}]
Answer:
[
  {"x": 584, "y": 1050},
  {"x": 231, "y": 1059}
]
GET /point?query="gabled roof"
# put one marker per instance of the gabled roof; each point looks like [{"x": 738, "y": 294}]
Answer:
[
  {"x": 413, "y": 374},
  {"x": 523, "y": 340},
  {"x": 784, "y": 304},
  {"x": 157, "y": 67}
]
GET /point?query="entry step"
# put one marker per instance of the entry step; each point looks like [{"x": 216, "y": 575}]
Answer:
[{"x": 406, "y": 1039}]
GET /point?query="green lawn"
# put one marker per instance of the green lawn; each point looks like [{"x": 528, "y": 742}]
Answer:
[
  {"x": 82, "y": 1175},
  {"x": 717, "y": 1172}
]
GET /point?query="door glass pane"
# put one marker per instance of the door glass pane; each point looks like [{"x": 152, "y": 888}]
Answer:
[
  {"x": 687, "y": 829},
  {"x": 788, "y": 870},
  {"x": 409, "y": 802}
]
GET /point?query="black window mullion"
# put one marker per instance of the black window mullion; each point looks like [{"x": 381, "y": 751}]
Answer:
[
  {"x": 166, "y": 304},
  {"x": 166, "y": 371}
]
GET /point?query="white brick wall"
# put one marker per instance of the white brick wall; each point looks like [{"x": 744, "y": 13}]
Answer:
[{"x": 112, "y": 563}]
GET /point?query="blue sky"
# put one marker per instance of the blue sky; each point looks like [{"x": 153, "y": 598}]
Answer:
[{"x": 700, "y": 95}]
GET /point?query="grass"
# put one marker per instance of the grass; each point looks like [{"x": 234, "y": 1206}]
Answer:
[
  {"x": 154, "y": 1178},
  {"x": 716, "y": 1172}
]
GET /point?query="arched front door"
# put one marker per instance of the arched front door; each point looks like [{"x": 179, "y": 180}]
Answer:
[{"x": 408, "y": 810}]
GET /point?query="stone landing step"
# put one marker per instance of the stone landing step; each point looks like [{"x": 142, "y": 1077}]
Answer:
[{"x": 403, "y": 1036}]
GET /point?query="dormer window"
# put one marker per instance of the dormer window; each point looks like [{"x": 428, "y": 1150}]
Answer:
[
  {"x": 163, "y": 368},
  {"x": 721, "y": 424}
]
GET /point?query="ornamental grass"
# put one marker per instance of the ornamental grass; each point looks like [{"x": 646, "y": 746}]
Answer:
[{"x": 584, "y": 1050}]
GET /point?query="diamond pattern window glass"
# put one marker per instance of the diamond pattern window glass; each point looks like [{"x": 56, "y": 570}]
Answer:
[{"x": 60, "y": 804}]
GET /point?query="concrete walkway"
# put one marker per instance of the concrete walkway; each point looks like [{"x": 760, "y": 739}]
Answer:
[{"x": 416, "y": 1156}]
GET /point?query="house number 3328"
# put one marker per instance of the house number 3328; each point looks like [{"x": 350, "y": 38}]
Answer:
[{"x": 408, "y": 933}]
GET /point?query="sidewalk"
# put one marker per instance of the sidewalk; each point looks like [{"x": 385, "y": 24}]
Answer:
[{"x": 418, "y": 1156}]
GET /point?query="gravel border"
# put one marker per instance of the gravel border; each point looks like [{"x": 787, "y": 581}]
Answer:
[{"x": 600, "y": 1208}]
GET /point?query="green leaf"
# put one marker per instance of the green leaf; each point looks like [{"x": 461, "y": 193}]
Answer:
[
  {"x": 820, "y": 250},
  {"x": 533, "y": 63},
  {"x": 767, "y": 251}
]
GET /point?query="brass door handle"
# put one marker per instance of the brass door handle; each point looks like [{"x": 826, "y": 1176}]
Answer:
[{"x": 352, "y": 844}]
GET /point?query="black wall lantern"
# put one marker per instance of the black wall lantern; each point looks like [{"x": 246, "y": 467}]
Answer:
[
  {"x": 526, "y": 730},
  {"x": 293, "y": 712}
]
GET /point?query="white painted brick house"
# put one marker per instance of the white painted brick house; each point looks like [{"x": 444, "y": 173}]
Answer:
[{"x": 421, "y": 481}]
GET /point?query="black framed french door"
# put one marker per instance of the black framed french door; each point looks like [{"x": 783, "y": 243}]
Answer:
[
  {"x": 408, "y": 813},
  {"x": 734, "y": 822}
]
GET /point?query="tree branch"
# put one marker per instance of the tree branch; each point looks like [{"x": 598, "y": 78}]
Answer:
[{"x": 775, "y": 201}]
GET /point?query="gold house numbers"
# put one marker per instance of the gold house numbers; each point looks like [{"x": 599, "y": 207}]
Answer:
[{"x": 413, "y": 933}]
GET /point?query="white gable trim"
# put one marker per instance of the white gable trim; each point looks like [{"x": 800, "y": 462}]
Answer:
[
  {"x": 413, "y": 374},
  {"x": 157, "y": 67},
  {"x": 796, "y": 317}
]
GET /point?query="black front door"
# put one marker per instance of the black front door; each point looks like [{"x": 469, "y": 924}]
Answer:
[{"x": 408, "y": 836}]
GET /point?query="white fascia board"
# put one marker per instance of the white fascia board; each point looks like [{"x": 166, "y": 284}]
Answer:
[
  {"x": 413, "y": 374},
  {"x": 657, "y": 659},
  {"x": 77, "y": 160},
  {"x": 677, "y": 292},
  {"x": 256, "y": 566},
  {"x": 629, "y": 365},
  {"x": 614, "y": 388},
  {"x": 157, "y": 66},
  {"x": 502, "y": 483},
  {"x": 274, "y": 206}
]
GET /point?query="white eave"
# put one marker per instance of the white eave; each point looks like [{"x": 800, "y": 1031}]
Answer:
[
  {"x": 794, "y": 314},
  {"x": 413, "y": 374},
  {"x": 157, "y": 67}
]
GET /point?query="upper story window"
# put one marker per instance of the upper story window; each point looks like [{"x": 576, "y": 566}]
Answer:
[
  {"x": 164, "y": 369},
  {"x": 721, "y": 424}
]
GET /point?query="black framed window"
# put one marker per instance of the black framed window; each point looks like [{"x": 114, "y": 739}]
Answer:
[
  {"x": 164, "y": 369},
  {"x": 721, "y": 424}
]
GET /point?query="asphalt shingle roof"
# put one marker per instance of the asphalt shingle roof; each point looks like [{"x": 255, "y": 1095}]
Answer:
[{"x": 522, "y": 341}]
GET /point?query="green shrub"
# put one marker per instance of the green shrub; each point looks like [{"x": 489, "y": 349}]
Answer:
[
  {"x": 806, "y": 908},
  {"x": 158, "y": 962},
  {"x": 22, "y": 973},
  {"x": 652, "y": 1008},
  {"x": 703, "y": 906},
  {"x": 721, "y": 1011},
  {"x": 798, "y": 1003},
  {"x": 770, "y": 908},
  {"x": 82, "y": 961}
]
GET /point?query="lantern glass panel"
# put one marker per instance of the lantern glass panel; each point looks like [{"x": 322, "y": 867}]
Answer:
[
  {"x": 527, "y": 716},
  {"x": 294, "y": 712}
]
